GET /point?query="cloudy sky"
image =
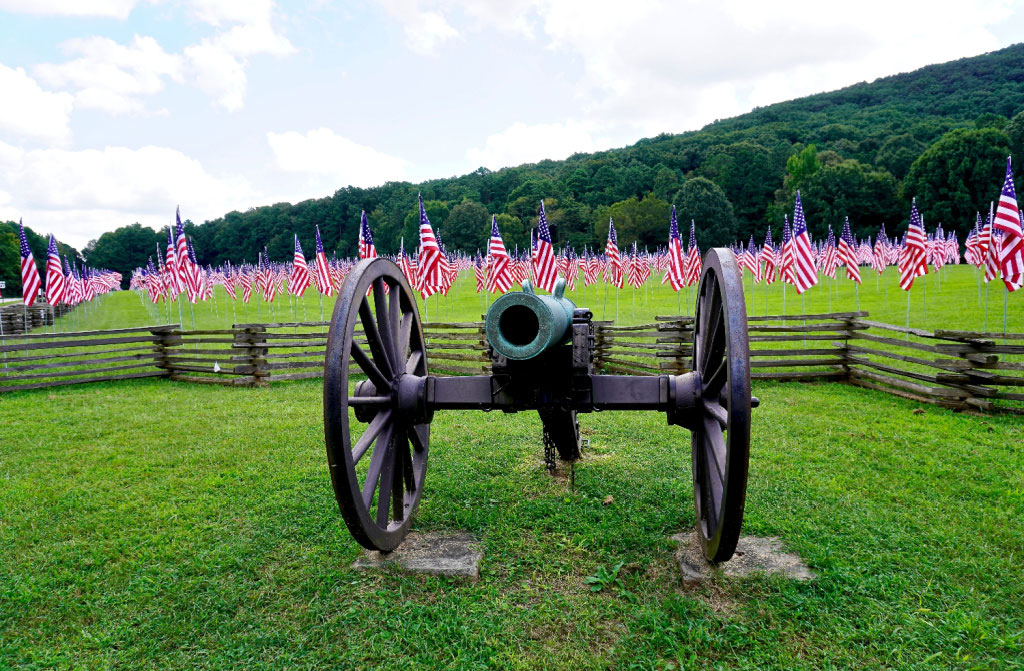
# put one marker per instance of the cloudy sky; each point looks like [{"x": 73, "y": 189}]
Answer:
[{"x": 114, "y": 111}]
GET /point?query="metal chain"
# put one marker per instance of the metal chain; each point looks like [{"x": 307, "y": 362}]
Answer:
[{"x": 550, "y": 452}]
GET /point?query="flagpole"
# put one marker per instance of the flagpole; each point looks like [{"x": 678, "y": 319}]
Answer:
[
  {"x": 987, "y": 286},
  {"x": 1005, "y": 294},
  {"x": 908, "y": 313}
]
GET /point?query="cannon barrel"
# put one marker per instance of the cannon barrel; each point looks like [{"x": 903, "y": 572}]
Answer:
[{"x": 521, "y": 325}]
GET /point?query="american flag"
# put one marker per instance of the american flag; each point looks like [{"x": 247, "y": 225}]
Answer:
[
  {"x": 572, "y": 269},
  {"x": 405, "y": 266},
  {"x": 1011, "y": 245},
  {"x": 54, "y": 274},
  {"x": 590, "y": 268},
  {"x": 479, "y": 273},
  {"x": 830, "y": 258},
  {"x": 770, "y": 260},
  {"x": 230, "y": 280},
  {"x": 323, "y": 271},
  {"x": 675, "y": 272},
  {"x": 367, "y": 250},
  {"x": 880, "y": 256},
  {"x": 196, "y": 271},
  {"x": 613, "y": 261},
  {"x": 633, "y": 268},
  {"x": 751, "y": 261},
  {"x": 72, "y": 294},
  {"x": 847, "y": 254},
  {"x": 499, "y": 271},
  {"x": 446, "y": 270},
  {"x": 786, "y": 263},
  {"x": 186, "y": 279},
  {"x": 298, "y": 282},
  {"x": 913, "y": 261},
  {"x": 429, "y": 257},
  {"x": 545, "y": 268},
  {"x": 694, "y": 264},
  {"x": 171, "y": 264},
  {"x": 245, "y": 279},
  {"x": 267, "y": 277},
  {"x": 30, "y": 281},
  {"x": 805, "y": 275}
]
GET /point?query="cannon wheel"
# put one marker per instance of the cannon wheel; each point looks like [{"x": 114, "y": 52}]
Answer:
[
  {"x": 377, "y": 472},
  {"x": 721, "y": 438}
]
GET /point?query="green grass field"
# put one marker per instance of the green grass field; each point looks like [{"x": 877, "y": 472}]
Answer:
[
  {"x": 165, "y": 525},
  {"x": 949, "y": 300},
  {"x": 156, "y": 524}
]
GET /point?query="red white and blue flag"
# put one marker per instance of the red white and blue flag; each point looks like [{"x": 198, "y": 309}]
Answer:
[
  {"x": 30, "y": 280},
  {"x": 499, "y": 271},
  {"x": 676, "y": 271},
  {"x": 323, "y": 271},
  {"x": 913, "y": 259},
  {"x": 770, "y": 260},
  {"x": 298, "y": 281},
  {"x": 805, "y": 275},
  {"x": 847, "y": 254},
  {"x": 1011, "y": 245},
  {"x": 55, "y": 285},
  {"x": 694, "y": 264},
  {"x": 545, "y": 268},
  {"x": 430, "y": 280},
  {"x": 613, "y": 260}
]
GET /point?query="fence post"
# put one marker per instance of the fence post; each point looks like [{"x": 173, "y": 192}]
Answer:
[{"x": 252, "y": 339}]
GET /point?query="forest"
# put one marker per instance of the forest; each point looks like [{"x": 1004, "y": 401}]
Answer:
[{"x": 940, "y": 134}]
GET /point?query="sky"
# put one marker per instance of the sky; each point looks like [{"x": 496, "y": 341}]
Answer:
[{"x": 117, "y": 111}]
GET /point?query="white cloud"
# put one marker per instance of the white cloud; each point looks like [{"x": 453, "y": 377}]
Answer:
[
  {"x": 331, "y": 160},
  {"x": 673, "y": 65},
  {"x": 79, "y": 194},
  {"x": 27, "y": 111},
  {"x": 520, "y": 143},
  {"x": 115, "y": 9},
  {"x": 110, "y": 76},
  {"x": 424, "y": 30}
]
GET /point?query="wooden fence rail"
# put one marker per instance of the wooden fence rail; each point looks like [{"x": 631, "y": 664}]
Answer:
[{"x": 957, "y": 369}]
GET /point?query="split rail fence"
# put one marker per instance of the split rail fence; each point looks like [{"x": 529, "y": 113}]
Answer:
[{"x": 956, "y": 369}]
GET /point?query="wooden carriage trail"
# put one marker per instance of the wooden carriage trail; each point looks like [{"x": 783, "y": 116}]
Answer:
[{"x": 955, "y": 369}]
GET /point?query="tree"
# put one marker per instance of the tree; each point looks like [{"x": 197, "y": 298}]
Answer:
[
  {"x": 642, "y": 221},
  {"x": 958, "y": 176},
  {"x": 705, "y": 202},
  {"x": 898, "y": 152},
  {"x": 748, "y": 174},
  {"x": 437, "y": 212},
  {"x": 666, "y": 182},
  {"x": 866, "y": 194},
  {"x": 800, "y": 166},
  {"x": 10, "y": 263},
  {"x": 124, "y": 249},
  {"x": 467, "y": 227},
  {"x": 1015, "y": 130}
]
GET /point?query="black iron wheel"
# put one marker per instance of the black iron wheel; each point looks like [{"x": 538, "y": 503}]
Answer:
[
  {"x": 721, "y": 437},
  {"x": 378, "y": 429}
]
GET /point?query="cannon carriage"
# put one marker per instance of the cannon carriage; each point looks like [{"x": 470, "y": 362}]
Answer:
[{"x": 541, "y": 349}]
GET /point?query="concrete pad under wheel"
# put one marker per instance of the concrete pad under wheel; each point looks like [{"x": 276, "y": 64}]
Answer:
[
  {"x": 753, "y": 555},
  {"x": 451, "y": 555}
]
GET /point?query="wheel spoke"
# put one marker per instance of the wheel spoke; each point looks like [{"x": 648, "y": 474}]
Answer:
[
  {"x": 714, "y": 444},
  {"x": 380, "y": 453},
  {"x": 710, "y": 336},
  {"x": 718, "y": 412},
  {"x": 368, "y": 367},
  {"x": 713, "y": 383},
  {"x": 376, "y": 426},
  {"x": 404, "y": 336},
  {"x": 407, "y": 466},
  {"x": 384, "y": 491},
  {"x": 384, "y": 326},
  {"x": 414, "y": 362},
  {"x": 419, "y": 441},
  {"x": 373, "y": 339},
  {"x": 397, "y": 498}
]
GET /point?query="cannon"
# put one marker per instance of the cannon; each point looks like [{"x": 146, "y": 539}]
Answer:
[{"x": 379, "y": 398}]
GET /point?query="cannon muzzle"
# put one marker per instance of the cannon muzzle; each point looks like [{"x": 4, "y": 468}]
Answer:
[{"x": 521, "y": 325}]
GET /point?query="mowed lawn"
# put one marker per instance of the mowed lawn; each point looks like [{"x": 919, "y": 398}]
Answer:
[{"x": 155, "y": 524}]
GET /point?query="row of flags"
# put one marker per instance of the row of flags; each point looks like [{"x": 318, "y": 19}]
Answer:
[
  {"x": 997, "y": 245},
  {"x": 65, "y": 283}
]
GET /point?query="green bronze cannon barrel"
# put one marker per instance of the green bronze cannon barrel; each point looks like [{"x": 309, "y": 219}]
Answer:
[{"x": 520, "y": 325}]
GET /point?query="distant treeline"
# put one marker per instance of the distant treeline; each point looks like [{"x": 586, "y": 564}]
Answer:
[{"x": 941, "y": 134}]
